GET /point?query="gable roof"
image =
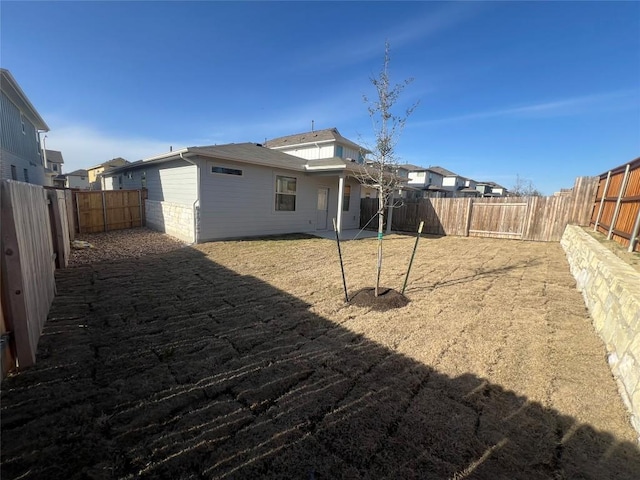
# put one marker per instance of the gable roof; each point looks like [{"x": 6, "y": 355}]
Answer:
[
  {"x": 316, "y": 136},
  {"x": 249, "y": 153},
  {"x": 443, "y": 171},
  {"x": 54, "y": 156},
  {"x": 77, "y": 173},
  {"x": 109, "y": 163},
  {"x": 11, "y": 88}
]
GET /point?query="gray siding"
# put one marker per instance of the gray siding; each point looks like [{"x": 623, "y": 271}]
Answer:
[
  {"x": 238, "y": 206},
  {"x": 18, "y": 148},
  {"x": 174, "y": 182}
]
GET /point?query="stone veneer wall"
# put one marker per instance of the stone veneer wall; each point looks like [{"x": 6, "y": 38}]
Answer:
[
  {"x": 171, "y": 218},
  {"x": 611, "y": 291}
]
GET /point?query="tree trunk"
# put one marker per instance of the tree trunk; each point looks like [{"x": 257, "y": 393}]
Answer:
[{"x": 381, "y": 203}]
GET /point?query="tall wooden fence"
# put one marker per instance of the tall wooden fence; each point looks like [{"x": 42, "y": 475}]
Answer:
[
  {"x": 526, "y": 218},
  {"x": 101, "y": 211},
  {"x": 616, "y": 210},
  {"x": 28, "y": 265}
]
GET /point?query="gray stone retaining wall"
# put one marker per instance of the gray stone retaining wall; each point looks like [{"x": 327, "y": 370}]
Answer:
[
  {"x": 171, "y": 218},
  {"x": 611, "y": 291}
]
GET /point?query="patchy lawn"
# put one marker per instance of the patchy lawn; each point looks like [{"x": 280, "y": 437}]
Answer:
[{"x": 241, "y": 360}]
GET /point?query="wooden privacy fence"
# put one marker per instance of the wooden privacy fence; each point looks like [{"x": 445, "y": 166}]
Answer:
[
  {"x": 101, "y": 211},
  {"x": 527, "y": 218},
  {"x": 28, "y": 264},
  {"x": 616, "y": 210}
]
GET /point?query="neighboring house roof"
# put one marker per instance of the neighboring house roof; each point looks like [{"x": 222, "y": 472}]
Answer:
[
  {"x": 316, "y": 136},
  {"x": 11, "y": 88},
  {"x": 443, "y": 171},
  {"x": 77, "y": 173},
  {"x": 110, "y": 163},
  {"x": 413, "y": 168},
  {"x": 54, "y": 156},
  {"x": 491, "y": 184},
  {"x": 249, "y": 153}
]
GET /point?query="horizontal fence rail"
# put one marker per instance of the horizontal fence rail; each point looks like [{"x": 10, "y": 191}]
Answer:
[
  {"x": 616, "y": 209},
  {"x": 527, "y": 218}
]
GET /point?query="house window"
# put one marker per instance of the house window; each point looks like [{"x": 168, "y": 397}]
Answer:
[
  {"x": 120, "y": 182},
  {"x": 14, "y": 172},
  {"x": 346, "y": 198},
  {"x": 339, "y": 151},
  {"x": 285, "y": 194},
  {"x": 143, "y": 180},
  {"x": 55, "y": 167},
  {"x": 24, "y": 132},
  {"x": 226, "y": 171},
  {"x": 26, "y": 174}
]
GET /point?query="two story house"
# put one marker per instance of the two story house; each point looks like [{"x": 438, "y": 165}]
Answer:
[
  {"x": 53, "y": 168},
  {"x": 95, "y": 173},
  {"x": 490, "y": 189},
  {"x": 21, "y": 125},
  {"x": 427, "y": 182}
]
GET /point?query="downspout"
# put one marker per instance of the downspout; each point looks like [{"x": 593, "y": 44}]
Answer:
[{"x": 196, "y": 202}]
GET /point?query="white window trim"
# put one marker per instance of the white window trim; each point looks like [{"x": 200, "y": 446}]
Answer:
[{"x": 275, "y": 192}]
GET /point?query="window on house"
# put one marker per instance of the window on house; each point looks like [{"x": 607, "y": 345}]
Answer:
[
  {"x": 14, "y": 172},
  {"x": 24, "y": 132},
  {"x": 226, "y": 171},
  {"x": 346, "y": 198},
  {"x": 54, "y": 166},
  {"x": 120, "y": 182},
  {"x": 285, "y": 194},
  {"x": 143, "y": 180},
  {"x": 339, "y": 151},
  {"x": 26, "y": 174}
]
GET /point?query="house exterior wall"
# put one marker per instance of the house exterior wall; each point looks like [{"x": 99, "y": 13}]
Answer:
[
  {"x": 77, "y": 182},
  {"x": 311, "y": 152},
  {"x": 234, "y": 206},
  {"x": 22, "y": 150},
  {"x": 171, "y": 193},
  {"x": 171, "y": 218}
]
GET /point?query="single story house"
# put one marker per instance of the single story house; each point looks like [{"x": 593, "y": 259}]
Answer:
[{"x": 199, "y": 194}]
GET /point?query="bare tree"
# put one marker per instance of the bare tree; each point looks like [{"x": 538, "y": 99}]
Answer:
[
  {"x": 380, "y": 170},
  {"x": 524, "y": 188}
]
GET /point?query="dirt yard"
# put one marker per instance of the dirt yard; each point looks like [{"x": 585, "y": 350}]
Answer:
[{"x": 242, "y": 360}]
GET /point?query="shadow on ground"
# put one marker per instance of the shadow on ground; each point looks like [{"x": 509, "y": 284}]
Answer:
[{"x": 174, "y": 367}]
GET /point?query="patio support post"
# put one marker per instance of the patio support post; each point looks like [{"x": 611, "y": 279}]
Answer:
[{"x": 340, "y": 200}]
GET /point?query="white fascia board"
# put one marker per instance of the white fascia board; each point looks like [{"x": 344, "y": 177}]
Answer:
[{"x": 325, "y": 167}]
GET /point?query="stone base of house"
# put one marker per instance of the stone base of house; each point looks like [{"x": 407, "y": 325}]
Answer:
[
  {"x": 611, "y": 291},
  {"x": 171, "y": 218}
]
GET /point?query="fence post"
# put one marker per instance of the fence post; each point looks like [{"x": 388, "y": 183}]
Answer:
[
  {"x": 604, "y": 194},
  {"x": 78, "y": 213},
  {"x": 634, "y": 235},
  {"x": 104, "y": 210},
  {"x": 140, "y": 205},
  {"x": 623, "y": 187},
  {"x": 467, "y": 225}
]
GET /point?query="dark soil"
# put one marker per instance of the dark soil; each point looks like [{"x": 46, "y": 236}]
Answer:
[{"x": 387, "y": 299}]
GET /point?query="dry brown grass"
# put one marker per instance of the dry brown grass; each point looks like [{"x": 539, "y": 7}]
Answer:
[{"x": 242, "y": 360}]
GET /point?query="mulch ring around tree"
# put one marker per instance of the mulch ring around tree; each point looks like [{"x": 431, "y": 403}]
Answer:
[{"x": 387, "y": 299}]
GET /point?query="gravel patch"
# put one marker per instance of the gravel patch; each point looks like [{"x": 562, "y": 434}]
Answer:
[{"x": 121, "y": 244}]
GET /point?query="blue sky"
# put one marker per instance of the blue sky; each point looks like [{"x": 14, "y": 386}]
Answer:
[{"x": 545, "y": 90}]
